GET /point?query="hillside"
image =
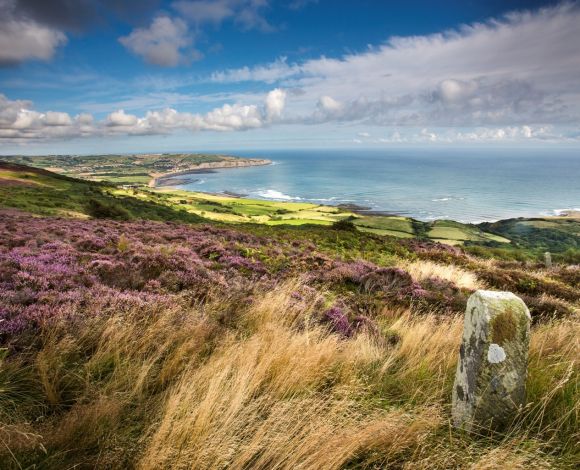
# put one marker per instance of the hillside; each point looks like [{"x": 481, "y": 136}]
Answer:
[
  {"x": 132, "y": 169},
  {"x": 44, "y": 192},
  {"x": 136, "y": 333}
]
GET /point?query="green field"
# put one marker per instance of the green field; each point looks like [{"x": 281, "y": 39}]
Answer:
[
  {"x": 126, "y": 169},
  {"x": 47, "y": 193},
  {"x": 450, "y": 230},
  {"x": 44, "y": 193}
]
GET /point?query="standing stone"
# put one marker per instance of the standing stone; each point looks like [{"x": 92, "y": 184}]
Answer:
[
  {"x": 548, "y": 259},
  {"x": 490, "y": 382}
]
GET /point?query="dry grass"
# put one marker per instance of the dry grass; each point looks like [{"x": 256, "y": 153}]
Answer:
[
  {"x": 426, "y": 355},
  {"x": 424, "y": 269},
  {"x": 273, "y": 388},
  {"x": 281, "y": 398}
]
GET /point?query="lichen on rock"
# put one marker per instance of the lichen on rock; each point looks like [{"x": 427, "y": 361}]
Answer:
[{"x": 492, "y": 367}]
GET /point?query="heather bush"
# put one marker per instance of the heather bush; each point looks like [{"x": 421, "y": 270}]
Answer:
[
  {"x": 338, "y": 321},
  {"x": 41, "y": 258},
  {"x": 527, "y": 283},
  {"x": 136, "y": 344}
]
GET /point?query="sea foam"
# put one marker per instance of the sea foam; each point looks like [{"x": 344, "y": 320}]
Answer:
[
  {"x": 560, "y": 212},
  {"x": 273, "y": 194}
]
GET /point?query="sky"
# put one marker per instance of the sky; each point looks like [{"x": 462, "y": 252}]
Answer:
[{"x": 105, "y": 76}]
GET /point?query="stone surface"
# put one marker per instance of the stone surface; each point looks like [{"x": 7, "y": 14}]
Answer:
[
  {"x": 493, "y": 359},
  {"x": 548, "y": 259}
]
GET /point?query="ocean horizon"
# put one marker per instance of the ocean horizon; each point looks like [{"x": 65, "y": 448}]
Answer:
[{"x": 465, "y": 185}]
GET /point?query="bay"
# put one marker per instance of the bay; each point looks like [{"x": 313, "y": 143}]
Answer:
[{"x": 458, "y": 184}]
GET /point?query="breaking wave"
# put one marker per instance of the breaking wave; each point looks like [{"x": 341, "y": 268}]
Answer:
[{"x": 277, "y": 195}]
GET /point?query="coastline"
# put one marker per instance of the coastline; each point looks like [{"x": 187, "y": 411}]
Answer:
[
  {"x": 190, "y": 175},
  {"x": 175, "y": 178}
]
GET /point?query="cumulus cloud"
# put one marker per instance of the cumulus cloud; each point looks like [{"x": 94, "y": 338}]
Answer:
[
  {"x": 275, "y": 102},
  {"x": 19, "y": 122},
  {"x": 228, "y": 117},
  {"x": 120, "y": 119},
  {"x": 166, "y": 42},
  {"x": 23, "y": 38},
  {"x": 453, "y": 91},
  {"x": 35, "y": 29},
  {"x": 478, "y": 83},
  {"x": 54, "y": 118}
]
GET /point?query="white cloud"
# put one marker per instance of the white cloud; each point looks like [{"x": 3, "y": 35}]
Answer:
[
  {"x": 268, "y": 73},
  {"x": 120, "y": 119},
  {"x": 85, "y": 119},
  {"x": 26, "y": 39},
  {"x": 19, "y": 122},
  {"x": 453, "y": 91},
  {"x": 53, "y": 118},
  {"x": 479, "y": 83},
  {"x": 329, "y": 106},
  {"x": 232, "y": 117},
  {"x": 250, "y": 16},
  {"x": 481, "y": 74},
  {"x": 166, "y": 42},
  {"x": 275, "y": 102},
  {"x": 427, "y": 135},
  {"x": 479, "y": 135}
]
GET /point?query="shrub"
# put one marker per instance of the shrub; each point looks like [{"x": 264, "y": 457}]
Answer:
[
  {"x": 344, "y": 224},
  {"x": 106, "y": 210}
]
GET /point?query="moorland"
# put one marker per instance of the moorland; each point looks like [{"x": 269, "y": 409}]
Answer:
[{"x": 148, "y": 327}]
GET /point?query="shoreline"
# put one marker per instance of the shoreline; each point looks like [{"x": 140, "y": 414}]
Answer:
[
  {"x": 173, "y": 178},
  {"x": 180, "y": 178},
  {"x": 365, "y": 211}
]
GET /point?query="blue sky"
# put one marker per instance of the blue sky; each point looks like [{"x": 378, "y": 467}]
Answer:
[{"x": 82, "y": 76}]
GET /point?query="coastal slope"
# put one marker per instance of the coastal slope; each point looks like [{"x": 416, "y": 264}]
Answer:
[
  {"x": 43, "y": 192},
  {"x": 135, "y": 333},
  {"x": 133, "y": 169},
  {"x": 133, "y": 343}
]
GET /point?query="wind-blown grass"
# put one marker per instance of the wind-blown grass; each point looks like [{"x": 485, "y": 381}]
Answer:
[
  {"x": 275, "y": 388},
  {"x": 162, "y": 345}
]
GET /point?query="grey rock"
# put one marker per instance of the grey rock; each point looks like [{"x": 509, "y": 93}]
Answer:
[
  {"x": 548, "y": 259},
  {"x": 490, "y": 382}
]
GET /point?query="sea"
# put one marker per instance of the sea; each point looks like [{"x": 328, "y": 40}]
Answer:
[{"x": 468, "y": 186}]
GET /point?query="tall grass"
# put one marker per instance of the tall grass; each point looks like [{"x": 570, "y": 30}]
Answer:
[
  {"x": 424, "y": 269},
  {"x": 270, "y": 386}
]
